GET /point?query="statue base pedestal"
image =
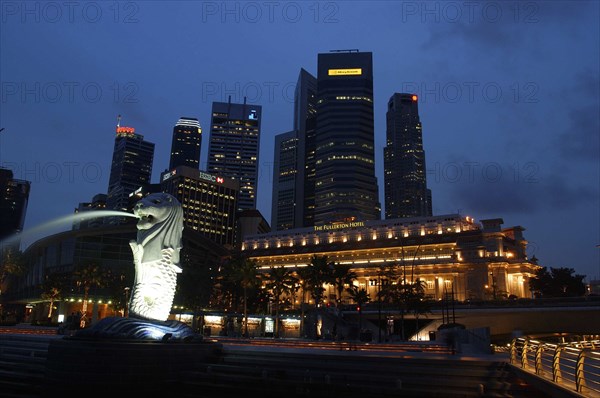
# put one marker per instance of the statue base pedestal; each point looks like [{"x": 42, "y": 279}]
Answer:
[{"x": 79, "y": 366}]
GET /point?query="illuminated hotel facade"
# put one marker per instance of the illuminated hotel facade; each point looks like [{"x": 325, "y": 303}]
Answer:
[
  {"x": 208, "y": 202},
  {"x": 448, "y": 253}
]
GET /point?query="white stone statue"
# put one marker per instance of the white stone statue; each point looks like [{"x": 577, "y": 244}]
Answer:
[
  {"x": 156, "y": 259},
  {"x": 156, "y": 256}
]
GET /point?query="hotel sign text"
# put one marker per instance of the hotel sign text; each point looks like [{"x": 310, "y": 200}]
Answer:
[{"x": 330, "y": 227}]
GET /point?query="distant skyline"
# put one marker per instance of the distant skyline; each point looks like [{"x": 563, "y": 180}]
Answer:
[{"x": 509, "y": 97}]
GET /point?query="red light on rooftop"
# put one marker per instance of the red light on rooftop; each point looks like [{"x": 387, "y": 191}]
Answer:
[
  {"x": 125, "y": 130},
  {"x": 414, "y": 98}
]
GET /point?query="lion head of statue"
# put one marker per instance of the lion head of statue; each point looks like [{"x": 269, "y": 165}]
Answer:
[{"x": 160, "y": 225}]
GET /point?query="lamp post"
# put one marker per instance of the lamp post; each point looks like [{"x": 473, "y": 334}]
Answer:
[
  {"x": 126, "y": 311},
  {"x": 493, "y": 285},
  {"x": 379, "y": 306}
]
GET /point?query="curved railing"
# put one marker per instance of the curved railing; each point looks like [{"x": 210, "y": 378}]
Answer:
[{"x": 573, "y": 365}]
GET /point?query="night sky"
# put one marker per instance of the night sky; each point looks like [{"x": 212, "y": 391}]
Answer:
[{"x": 509, "y": 96}]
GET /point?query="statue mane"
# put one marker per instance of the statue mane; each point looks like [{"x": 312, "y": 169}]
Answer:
[{"x": 165, "y": 234}]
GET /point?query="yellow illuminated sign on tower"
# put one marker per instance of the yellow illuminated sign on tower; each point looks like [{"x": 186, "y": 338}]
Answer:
[{"x": 345, "y": 72}]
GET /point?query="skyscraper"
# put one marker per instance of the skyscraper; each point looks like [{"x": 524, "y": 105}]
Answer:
[
  {"x": 186, "y": 143},
  {"x": 131, "y": 166},
  {"x": 294, "y": 162},
  {"x": 208, "y": 202},
  {"x": 285, "y": 178},
  {"x": 406, "y": 193},
  {"x": 14, "y": 196},
  {"x": 305, "y": 119},
  {"x": 234, "y": 145},
  {"x": 345, "y": 183}
]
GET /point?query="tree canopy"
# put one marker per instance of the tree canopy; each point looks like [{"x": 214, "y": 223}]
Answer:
[{"x": 557, "y": 282}]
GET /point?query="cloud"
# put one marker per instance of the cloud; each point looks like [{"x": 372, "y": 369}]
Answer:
[
  {"x": 503, "y": 28},
  {"x": 581, "y": 139},
  {"x": 528, "y": 193}
]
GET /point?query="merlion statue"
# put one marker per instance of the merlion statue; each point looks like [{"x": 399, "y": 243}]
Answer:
[
  {"x": 156, "y": 261},
  {"x": 156, "y": 256}
]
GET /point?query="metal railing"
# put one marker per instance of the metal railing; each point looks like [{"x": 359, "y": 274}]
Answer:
[{"x": 573, "y": 365}]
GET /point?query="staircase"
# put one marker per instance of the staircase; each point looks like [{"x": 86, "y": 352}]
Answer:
[
  {"x": 298, "y": 369},
  {"x": 296, "y": 373},
  {"x": 23, "y": 364}
]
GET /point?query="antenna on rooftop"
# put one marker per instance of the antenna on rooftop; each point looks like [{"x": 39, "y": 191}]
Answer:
[
  {"x": 118, "y": 121},
  {"x": 355, "y": 50}
]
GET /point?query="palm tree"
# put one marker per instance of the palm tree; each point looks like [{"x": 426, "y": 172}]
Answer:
[
  {"x": 281, "y": 281},
  {"x": 245, "y": 273},
  {"x": 194, "y": 288},
  {"x": 360, "y": 297},
  {"x": 303, "y": 280},
  {"x": 320, "y": 273},
  {"x": 342, "y": 277},
  {"x": 399, "y": 292},
  {"x": 385, "y": 274},
  {"x": 89, "y": 276},
  {"x": 417, "y": 303}
]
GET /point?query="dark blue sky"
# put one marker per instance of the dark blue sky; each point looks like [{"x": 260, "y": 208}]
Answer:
[{"x": 509, "y": 96}]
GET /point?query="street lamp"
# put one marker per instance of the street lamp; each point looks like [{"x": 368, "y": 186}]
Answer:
[
  {"x": 379, "y": 306},
  {"x": 126, "y": 311},
  {"x": 493, "y": 285}
]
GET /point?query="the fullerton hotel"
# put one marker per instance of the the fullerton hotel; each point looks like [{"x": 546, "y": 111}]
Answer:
[{"x": 450, "y": 253}]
